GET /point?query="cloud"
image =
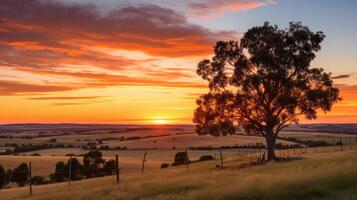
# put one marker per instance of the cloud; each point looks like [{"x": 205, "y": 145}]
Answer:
[
  {"x": 104, "y": 80},
  {"x": 66, "y": 98},
  {"x": 214, "y": 8},
  {"x": 68, "y": 29},
  {"x": 16, "y": 88},
  {"x": 342, "y": 76},
  {"x": 79, "y": 103}
]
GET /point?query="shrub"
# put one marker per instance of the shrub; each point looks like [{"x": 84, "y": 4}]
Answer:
[
  {"x": 109, "y": 167},
  {"x": 164, "y": 165},
  {"x": 38, "y": 180},
  {"x": 181, "y": 158},
  {"x": 206, "y": 157}
]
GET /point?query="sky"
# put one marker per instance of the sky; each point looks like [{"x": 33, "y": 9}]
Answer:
[{"x": 130, "y": 62}]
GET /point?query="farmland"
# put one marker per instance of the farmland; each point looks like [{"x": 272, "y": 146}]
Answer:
[
  {"x": 161, "y": 144},
  {"x": 319, "y": 176}
]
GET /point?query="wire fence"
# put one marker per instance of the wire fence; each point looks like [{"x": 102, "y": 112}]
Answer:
[{"x": 141, "y": 161}]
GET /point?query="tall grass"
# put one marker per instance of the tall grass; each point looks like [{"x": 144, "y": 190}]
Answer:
[{"x": 333, "y": 177}]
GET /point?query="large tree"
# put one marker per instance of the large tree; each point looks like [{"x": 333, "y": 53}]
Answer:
[{"x": 263, "y": 83}]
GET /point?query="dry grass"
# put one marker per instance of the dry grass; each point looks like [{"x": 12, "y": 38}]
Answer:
[
  {"x": 329, "y": 177},
  {"x": 130, "y": 160}
]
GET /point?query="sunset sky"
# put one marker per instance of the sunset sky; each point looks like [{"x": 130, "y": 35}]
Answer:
[{"x": 134, "y": 61}]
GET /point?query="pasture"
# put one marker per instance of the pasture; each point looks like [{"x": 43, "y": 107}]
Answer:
[{"x": 333, "y": 176}]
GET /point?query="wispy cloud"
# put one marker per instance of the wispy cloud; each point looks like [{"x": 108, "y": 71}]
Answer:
[
  {"x": 342, "y": 76},
  {"x": 215, "y": 8},
  {"x": 16, "y": 88},
  {"x": 66, "y": 98},
  {"x": 104, "y": 80}
]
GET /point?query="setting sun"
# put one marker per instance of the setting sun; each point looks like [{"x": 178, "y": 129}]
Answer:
[{"x": 160, "y": 121}]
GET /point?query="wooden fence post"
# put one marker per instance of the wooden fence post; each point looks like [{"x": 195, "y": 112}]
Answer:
[
  {"x": 70, "y": 171},
  {"x": 341, "y": 141},
  {"x": 186, "y": 159},
  {"x": 220, "y": 153},
  {"x": 143, "y": 165},
  {"x": 30, "y": 168},
  {"x": 117, "y": 166},
  {"x": 334, "y": 144},
  {"x": 351, "y": 142}
]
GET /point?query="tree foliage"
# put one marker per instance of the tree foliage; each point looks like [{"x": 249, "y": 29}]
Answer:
[
  {"x": 60, "y": 172},
  {"x": 263, "y": 83},
  {"x": 3, "y": 177},
  {"x": 21, "y": 174},
  {"x": 92, "y": 164}
]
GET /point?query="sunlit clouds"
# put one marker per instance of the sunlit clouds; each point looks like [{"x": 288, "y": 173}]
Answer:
[{"x": 129, "y": 62}]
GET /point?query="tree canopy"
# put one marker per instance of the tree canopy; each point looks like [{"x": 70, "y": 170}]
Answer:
[{"x": 263, "y": 83}]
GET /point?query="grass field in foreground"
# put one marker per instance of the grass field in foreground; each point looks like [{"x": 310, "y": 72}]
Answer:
[{"x": 321, "y": 176}]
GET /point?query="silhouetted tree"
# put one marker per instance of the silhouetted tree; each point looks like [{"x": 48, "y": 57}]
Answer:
[
  {"x": 264, "y": 83},
  {"x": 3, "y": 177},
  {"x": 92, "y": 163},
  {"x": 60, "y": 172},
  {"x": 21, "y": 174},
  {"x": 109, "y": 167},
  {"x": 76, "y": 169}
]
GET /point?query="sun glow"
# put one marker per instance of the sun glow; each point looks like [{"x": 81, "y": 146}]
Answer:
[{"x": 160, "y": 121}]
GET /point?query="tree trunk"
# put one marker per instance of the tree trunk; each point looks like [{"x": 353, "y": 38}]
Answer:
[{"x": 270, "y": 139}]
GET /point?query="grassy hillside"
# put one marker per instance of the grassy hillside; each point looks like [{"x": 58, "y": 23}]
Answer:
[{"x": 319, "y": 176}]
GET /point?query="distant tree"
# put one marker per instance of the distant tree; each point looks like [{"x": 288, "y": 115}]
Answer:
[
  {"x": 21, "y": 174},
  {"x": 109, "y": 167},
  {"x": 60, "y": 173},
  {"x": 92, "y": 163},
  {"x": 76, "y": 169},
  {"x": 263, "y": 83},
  {"x": 3, "y": 177}
]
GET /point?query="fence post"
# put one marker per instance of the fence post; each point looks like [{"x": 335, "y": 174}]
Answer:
[
  {"x": 117, "y": 166},
  {"x": 220, "y": 153},
  {"x": 30, "y": 178},
  {"x": 186, "y": 159},
  {"x": 351, "y": 143},
  {"x": 143, "y": 165},
  {"x": 341, "y": 144},
  {"x": 70, "y": 171}
]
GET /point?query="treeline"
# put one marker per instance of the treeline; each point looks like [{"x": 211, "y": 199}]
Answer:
[
  {"x": 32, "y": 147},
  {"x": 309, "y": 143},
  {"x": 249, "y": 146},
  {"x": 93, "y": 165}
]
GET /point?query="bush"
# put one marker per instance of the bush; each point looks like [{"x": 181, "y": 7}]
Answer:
[
  {"x": 38, "y": 180},
  {"x": 109, "y": 167},
  {"x": 164, "y": 165},
  {"x": 206, "y": 157},
  {"x": 181, "y": 158}
]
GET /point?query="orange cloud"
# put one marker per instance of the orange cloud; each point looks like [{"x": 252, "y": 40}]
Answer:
[
  {"x": 54, "y": 25},
  {"x": 214, "y": 8},
  {"x": 103, "y": 80},
  {"x": 15, "y": 88}
]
